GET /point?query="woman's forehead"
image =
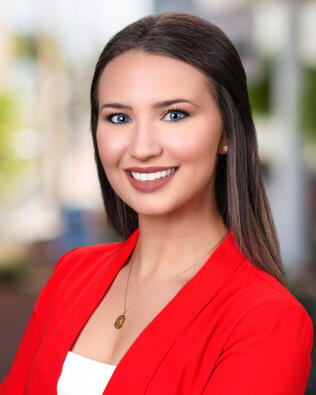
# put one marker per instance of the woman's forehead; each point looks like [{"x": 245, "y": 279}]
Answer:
[{"x": 137, "y": 73}]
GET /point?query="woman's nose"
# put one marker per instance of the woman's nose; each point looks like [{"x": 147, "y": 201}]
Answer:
[{"x": 144, "y": 142}]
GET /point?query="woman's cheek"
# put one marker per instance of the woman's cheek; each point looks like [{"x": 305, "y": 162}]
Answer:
[
  {"x": 110, "y": 147},
  {"x": 190, "y": 145}
]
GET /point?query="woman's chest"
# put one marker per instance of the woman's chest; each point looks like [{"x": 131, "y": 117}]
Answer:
[
  {"x": 171, "y": 338},
  {"x": 100, "y": 340}
]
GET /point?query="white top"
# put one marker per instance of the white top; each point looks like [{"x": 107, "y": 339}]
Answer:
[{"x": 81, "y": 376}]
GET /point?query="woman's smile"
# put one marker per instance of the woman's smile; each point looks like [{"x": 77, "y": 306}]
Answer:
[{"x": 148, "y": 182}]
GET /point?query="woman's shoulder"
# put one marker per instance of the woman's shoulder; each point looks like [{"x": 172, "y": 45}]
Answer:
[
  {"x": 87, "y": 253},
  {"x": 263, "y": 293},
  {"x": 75, "y": 264},
  {"x": 261, "y": 312}
]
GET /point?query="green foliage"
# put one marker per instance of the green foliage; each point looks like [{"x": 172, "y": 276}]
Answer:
[
  {"x": 10, "y": 166},
  {"x": 25, "y": 46},
  {"x": 259, "y": 90},
  {"x": 308, "y": 103},
  {"x": 15, "y": 271}
]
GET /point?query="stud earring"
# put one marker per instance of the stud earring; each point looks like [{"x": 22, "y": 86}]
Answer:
[{"x": 225, "y": 148}]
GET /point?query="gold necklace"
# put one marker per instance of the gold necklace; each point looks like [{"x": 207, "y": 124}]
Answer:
[{"x": 122, "y": 317}]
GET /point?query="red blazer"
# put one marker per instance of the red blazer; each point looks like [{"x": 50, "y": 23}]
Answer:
[{"x": 231, "y": 329}]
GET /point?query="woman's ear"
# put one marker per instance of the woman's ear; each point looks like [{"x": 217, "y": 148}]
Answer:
[{"x": 223, "y": 145}]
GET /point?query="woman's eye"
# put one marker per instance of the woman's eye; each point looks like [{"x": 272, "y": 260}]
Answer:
[
  {"x": 118, "y": 118},
  {"x": 175, "y": 115},
  {"x": 172, "y": 115}
]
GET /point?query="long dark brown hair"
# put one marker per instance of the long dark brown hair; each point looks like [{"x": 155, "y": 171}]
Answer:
[{"x": 240, "y": 191}]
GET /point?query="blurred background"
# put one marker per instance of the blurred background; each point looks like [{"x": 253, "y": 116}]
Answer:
[{"x": 49, "y": 192}]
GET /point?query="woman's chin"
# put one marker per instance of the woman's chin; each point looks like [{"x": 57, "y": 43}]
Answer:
[{"x": 154, "y": 210}]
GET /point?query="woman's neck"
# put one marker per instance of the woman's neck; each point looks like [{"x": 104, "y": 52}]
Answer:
[{"x": 166, "y": 247}]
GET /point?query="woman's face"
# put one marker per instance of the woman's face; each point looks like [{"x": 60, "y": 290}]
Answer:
[{"x": 165, "y": 117}]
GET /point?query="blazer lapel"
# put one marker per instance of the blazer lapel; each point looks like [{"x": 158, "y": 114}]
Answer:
[
  {"x": 83, "y": 291},
  {"x": 141, "y": 361}
]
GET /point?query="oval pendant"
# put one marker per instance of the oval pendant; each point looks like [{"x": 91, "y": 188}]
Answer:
[{"x": 119, "y": 321}]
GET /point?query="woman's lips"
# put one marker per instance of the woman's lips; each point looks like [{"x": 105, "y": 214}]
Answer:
[{"x": 149, "y": 186}]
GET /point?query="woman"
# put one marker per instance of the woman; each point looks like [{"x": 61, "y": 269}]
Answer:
[{"x": 207, "y": 308}]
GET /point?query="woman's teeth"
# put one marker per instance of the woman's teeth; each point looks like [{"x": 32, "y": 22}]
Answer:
[{"x": 152, "y": 176}]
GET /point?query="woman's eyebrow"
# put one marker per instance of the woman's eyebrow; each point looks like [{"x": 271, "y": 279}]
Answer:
[{"x": 164, "y": 103}]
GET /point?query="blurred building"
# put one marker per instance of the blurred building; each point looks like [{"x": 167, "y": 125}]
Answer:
[{"x": 48, "y": 51}]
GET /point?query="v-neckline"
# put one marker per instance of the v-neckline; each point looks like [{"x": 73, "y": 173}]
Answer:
[{"x": 171, "y": 320}]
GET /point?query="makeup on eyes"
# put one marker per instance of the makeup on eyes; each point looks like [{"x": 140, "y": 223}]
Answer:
[{"x": 174, "y": 109}]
